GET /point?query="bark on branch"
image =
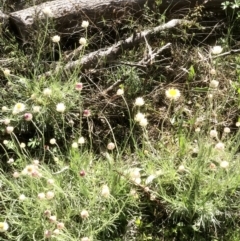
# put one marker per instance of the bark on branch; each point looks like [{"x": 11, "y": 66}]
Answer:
[{"x": 109, "y": 54}]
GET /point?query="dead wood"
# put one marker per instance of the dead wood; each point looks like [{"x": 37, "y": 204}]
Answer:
[
  {"x": 20, "y": 4},
  {"x": 3, "y": 18},
  {"x": 106, "y": 55},
  {"x": 68, "y": 15}
]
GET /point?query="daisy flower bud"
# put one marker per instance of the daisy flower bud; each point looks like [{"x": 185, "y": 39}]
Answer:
[
  {"x": 213, "y": 133},
  {"x": 60, "y": 225},
  {"x": 60, "y": 107},
  {"x": 181, "y": 168},
  {"x": 139, "y": 116},
  {"x": 47, "y": 11},
  {"x": 28, "y": 116},
  {"x": 50, "y": 181},
  {"x": 47, "y": 234},
  {"x": 50, "y": 195},
  {"x": 35, "y": 162},
  {"x": 213, "y": 71},
  {"x": 74, "y": 145},
  {"x": 227, "y": 130},
  {"x": 56, "y": 231},
  {"x": 79, "y": 86},
  {"x": 197, "y": 129},
  {"x": 36, "y": 109},
  {"x": 143, "y": 122},
  {"x": 47, "y": 213},
  {"x": 85, "y": 239},
  {"x": 212, "y": 166},
  {"x": 82, "y": 173},
  {"x": 41, "y": 196},
  {"x": 105, "y": 191},
  {"x": 139, "y": 101},
  {"x": 85, "y": 24},
  {"x": 120, "y": 92},
  {"x": 53, "y": 219},
  {"x": 22, "y": 145},
  {"x": 217, "y": 49},
  {"x": 214, "y": 84},
  {"x": 22, "y": 197},
  {"x": 5, "y": 142},
  {"x": 86, "y": 113},
  {"x": 9, "y": 129},
  {"x": 47, "y": 92},
  {"x": 56, "y": 39},
  {"x": 135, "y": 175},
  {"x": 4, "y": 108},
  {"x": 110, "y": 146},
  {"x": 16, "y": 174},
  {"x": 81, "y": 140},
  {"x": 6, "y": 122},
  {"x": 219, "y": 146},
  {"x": 11, "y": 160},
  {"x": 53, "y": 141},
  {"x": 210, "y": 96},
  {"x": 82, "y": 41},
  {"x": 84, "y": 214},
  {"x": 224, "y": 164}
]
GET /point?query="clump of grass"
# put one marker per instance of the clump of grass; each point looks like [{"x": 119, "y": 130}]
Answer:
[{"x": 125, "y": 153}]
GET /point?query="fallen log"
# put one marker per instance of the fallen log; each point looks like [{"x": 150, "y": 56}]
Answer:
[
  {"x": 18, "y": 5},
  {"x": 68, "y": 15},
  {"x": 92, "y": 60}
]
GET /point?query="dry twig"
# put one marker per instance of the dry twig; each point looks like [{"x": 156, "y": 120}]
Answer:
[{"x": 106, "y": 55}]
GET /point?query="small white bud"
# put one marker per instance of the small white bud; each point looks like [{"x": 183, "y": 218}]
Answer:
[
  {"x": 214, "y": 84},
  {"x": 83, "y": 41},
  {"x": 139, "y": 101},
  {"x": 56, "y": 38},
  {"x": 85, "y": 24},
  {"x": 217, "y": 49},
  {"x": 120, "y": 92}
]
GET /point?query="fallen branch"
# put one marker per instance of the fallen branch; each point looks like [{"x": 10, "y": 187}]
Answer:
[
  {"x": 5, "y": 62},
  {"x": 74, "y": 53},
  {"x": 106, "y": 55},
  {"x": 62, "y": 170},
  {"x": 118, "y": 82},
  {"x": 149, "y": 59},
  {"x": 232, "y": 51}
]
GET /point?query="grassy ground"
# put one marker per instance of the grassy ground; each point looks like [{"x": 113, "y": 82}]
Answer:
[{"x": 155, "y": 157}]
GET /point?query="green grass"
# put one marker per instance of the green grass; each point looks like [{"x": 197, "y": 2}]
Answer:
[{"x": 162, "y": 174}]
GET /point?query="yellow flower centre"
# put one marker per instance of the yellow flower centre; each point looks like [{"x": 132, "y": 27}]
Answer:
[
  {"x": 1, "y": 225},
  {"x": 172, "y": 92},
  {"x": 19, "y": 106},
  {"x": 29, "y": 169}
]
